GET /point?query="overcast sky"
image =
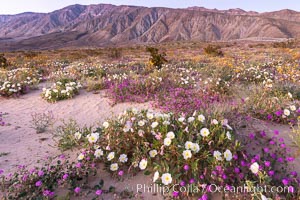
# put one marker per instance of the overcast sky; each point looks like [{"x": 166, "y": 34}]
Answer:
[{"x": 19, "y": 6}]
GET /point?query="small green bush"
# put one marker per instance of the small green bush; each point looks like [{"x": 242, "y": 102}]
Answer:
[
  {"x": 213, "y": 50},
  {"x": 3, "y": 61},
  {"x": 115, "y": 53},
  {"x": 70, "y": 134},
  {"x": 157, "y": 59}
]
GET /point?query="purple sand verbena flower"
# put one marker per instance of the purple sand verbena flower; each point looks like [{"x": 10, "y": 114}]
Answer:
[
  {"x": 186, "y": 167},
  {"x": 98, "y": 192},
  {"x": 38, "y": 183},
  {"x": 77, "y": 190},
  {"x": 175, "y": 194}
]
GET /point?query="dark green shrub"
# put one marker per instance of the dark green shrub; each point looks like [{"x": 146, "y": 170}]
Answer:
[
  {"x": 31, "y": 54},
  {"x": 213, "y": 50},
  {"x": 115, "y": 53},
  {"x": 3, "y": 61},
  {"x": 157, "y": 59}
]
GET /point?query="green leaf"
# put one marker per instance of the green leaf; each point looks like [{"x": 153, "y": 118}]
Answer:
[
  {"x": 147, "y": 173},
  {"x": 111, "y": 189}
]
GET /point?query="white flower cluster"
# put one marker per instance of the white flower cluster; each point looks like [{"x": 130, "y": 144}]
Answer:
[
  {"x": 8, "y": 88},
  {"x": 290, "y": 111},
  {"x": 166, "y": 178},
  {"x": 189, "y": 148},
  {"x": 60, "y": 91},
  {"x": 227, "y": 155}
]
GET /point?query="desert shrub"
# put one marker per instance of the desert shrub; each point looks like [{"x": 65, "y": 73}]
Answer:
[
  {"x": 291, "y": 89},
  {"x": 159, "y": 142},
  {"x": 115, "y": 53},
  {"x": 258, "y": 45},
  {"x": 96, "y": 84},
  {"x": 41, "y": 121},
  {"x": 213, "y": 50},
  {"x": 156, "y": 59},
  {"x": 9, "y": 89},
  {"x": 287, "y": 44},
  {"x": 69, "y": 135},
  {"x": 93, "y": 71},
  {"x": 255, "y": 74},
  {"x": 265, "y": 104},
  {"x": 19, "y": 81},
  {"x": 61, "y": 90},
  {"x": 31, "y": 54},
  {"x": 221, "y": 85},
  {"x": 3, "y": 61}
]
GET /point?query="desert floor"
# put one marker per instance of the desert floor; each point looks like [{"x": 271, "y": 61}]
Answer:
[{"x": 24, "y": 146}]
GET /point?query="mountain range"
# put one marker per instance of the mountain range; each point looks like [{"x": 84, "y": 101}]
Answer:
[{"x": 105, "y": 25}]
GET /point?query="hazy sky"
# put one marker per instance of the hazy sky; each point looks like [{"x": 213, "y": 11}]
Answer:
[{"x": 18, "y": 6}]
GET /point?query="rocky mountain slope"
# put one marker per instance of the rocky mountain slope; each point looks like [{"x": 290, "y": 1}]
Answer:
[{"x": 105, "y": 24}]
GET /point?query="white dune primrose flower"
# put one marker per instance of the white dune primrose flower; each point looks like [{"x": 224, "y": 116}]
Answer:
[
  {"x": 167, "y": 141},
  {"x": 218, "y": 155},
  {"x": 141, "y": 133},
  {"x": 204, "y": 132},
  {"x": 166, "y": 179},
  {"x": 154, "y": 124},
  {"x": 141, "y": 123},
  {"x": 80, "y": 156},
  {"x": 150, "y": 115},
  {"x": 143, "y": 164},
  {"x": 111, "y": 156},
  {"x": 228, "y": 155},
  {"x": 195, "y": 148},
  {"x": 114, "y": 167},
  {"x": 215, "y": 122},
  {"x": 105, "y": 124},
  {"x": 166, "y": 123},
  {"x": 134, "y": 111},
  {"x": 181, "y": 119},
  {"x": 188, "y": 145},
  {"x": 263, "y": 197},
  {"x": 187, "y": 154},
  {"x": 286, "y": 112},
  {"x": 153, "y": 153},
  {"x": 254, "y": 168},
  {"x": 77, "y": 135},
  {"x": 171, "y": 135},
  {"x": 156, "y": 176},
  {"x": 293, "y": 107},
  {"x": 123, "y": 158},
  {"x": 191, "y": 119},
  {"x": 92, "y": 138},
  {"x": 98, "y": 153},
  {"x": 228, "y": 135}
]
